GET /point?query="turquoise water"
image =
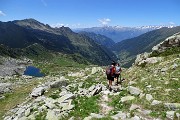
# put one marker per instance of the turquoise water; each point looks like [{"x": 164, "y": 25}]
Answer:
[{"x": 33, "y": 71}]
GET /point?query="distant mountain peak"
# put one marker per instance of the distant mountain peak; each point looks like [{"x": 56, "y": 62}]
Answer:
[
  {"x": 31, "y": 24},
  {"x": 34, "y": 24},
  {"x": 27, "y": 22},
  {"x": 119, "y": 33}
]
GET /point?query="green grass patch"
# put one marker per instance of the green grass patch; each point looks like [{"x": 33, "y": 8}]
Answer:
[
  {"x": 167, "y": 52},
  {"x": 14, "y": 98},
  {"x": 84, "y": 106},
  {"x": 58, "y": 65},
  {"x": 116, "y": 103},
  {"x": 18, "y": 96},
  {"x": 41, "y": 116},
  {"x": 156, "y": 114}
]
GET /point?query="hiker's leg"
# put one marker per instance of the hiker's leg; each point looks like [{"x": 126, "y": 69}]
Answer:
[
  {"x": 120, "y": 79},
  {"x": 117, "y": 80},
  {"x": 110, "y": 85}
]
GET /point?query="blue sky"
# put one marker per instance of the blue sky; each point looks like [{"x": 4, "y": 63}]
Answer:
[{"x": 90, "y": 13}]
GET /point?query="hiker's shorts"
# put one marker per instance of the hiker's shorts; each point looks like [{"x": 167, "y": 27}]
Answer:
[
  {"x": 117, "y": 75},
  {"x": 109, "y": 77}
]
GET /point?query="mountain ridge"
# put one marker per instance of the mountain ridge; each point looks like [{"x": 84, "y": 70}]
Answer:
[{"x": 22, "y": 33}]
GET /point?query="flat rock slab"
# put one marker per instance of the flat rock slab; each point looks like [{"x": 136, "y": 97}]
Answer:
[
  {"x": 119, "y": 116},
  {"x": 58, "y": 84},
  {"x": 65, "y": 97},
  {"x": 127, "y": 98},
  {"x": 38, "y": 92},
  {"x": 172, "y": 106},
  {"x": 134, "y": 90}
]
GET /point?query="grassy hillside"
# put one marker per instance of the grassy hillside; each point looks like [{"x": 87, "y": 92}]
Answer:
[
  {"x": 100, "y": 39},
  {"x": 128, "y": 49},
  {"x": 160, "y": 81}
]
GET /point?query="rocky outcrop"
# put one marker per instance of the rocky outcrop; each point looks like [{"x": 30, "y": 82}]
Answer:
[
  {"x": 5, "y": 87},
  {"x": 144, "y": 59},
  {"x": 173, "y": 41},
  {"x": 10, "y": 66},
  {"x": 38, "y": 91},
  {"x": 58, "y": 83},
  {"x": 93, "y": 90}
]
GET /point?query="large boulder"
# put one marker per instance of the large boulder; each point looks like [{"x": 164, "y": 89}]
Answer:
[
  {"x": 170, "y": 115},
  {"x": 149, "y": 97},
  {"x": 59, "y": 83},
  {"x": 95, "y": 89},
  {"x": 156, "y": 102},
  {"x": 150, "y": 60},
  {"x": 5, "y": 87},
  {"x": 141, "y": 57},
  {"x": 37, "y": 92},
  {"x": 134, "y": 90}
]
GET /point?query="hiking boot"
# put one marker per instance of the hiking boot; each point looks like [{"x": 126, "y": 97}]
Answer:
[
  {"x": 117, "y": 83},
  {"x": 107, "y": 86},
  {"x": 110, "y": 89}
]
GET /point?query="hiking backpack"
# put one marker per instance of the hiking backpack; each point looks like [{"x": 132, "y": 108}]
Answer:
[{"x": 108, "y": 70}]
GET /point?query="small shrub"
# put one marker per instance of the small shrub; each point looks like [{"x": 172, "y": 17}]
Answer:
[
  {"x": 54, "y": 96},
  {"x": 41, "y": 116}
]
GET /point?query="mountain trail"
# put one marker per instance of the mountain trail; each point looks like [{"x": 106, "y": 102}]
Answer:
[{"x": 105, "y": 109}]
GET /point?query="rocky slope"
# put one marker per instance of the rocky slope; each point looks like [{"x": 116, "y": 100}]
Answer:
[
  {"x": 10, "y": 66},
  {"x": 150, "y": 91}
]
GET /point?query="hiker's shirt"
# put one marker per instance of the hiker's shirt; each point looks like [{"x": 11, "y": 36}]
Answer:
[{"x": 118, "y": 69}]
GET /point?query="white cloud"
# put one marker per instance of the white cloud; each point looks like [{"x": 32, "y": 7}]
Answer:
[
  {"x": 44, "y": 2},
  {"x": 104, "y": 21},
  {"x": 171, "y": 23},
  {"x": 2, "y": 14},
  {"x": 77, "y": 25}
]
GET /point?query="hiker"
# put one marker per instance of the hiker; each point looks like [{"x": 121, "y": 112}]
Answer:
[
  {"x": 118, "y": 73},
  {"x": 110, "y": 72}
]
